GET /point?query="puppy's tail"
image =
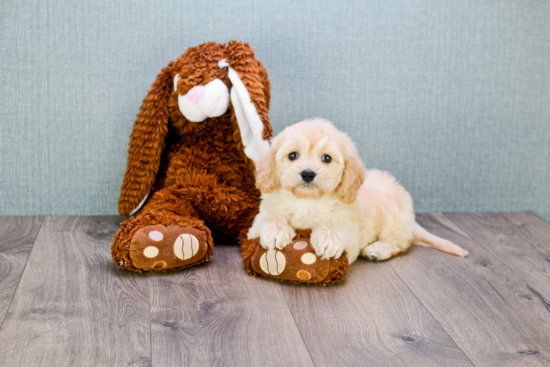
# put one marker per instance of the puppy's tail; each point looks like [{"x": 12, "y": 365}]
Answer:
[{"x": 421, "y": 236}]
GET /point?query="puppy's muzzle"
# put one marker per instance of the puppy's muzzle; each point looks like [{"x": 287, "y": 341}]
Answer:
[{"x": 307, "y": 175}]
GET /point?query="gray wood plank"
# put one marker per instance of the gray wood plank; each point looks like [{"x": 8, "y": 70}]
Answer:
[
  {"x": 534, "y": 229},
  {"x": 370, "y": 319},
  {"x": 73, "y": 306},
  {"x": 17, "y": 236},
  {"x": 217, "y": 315},
  {"x": 523, "y": 246},
  {"x": 480, "y": 302}
]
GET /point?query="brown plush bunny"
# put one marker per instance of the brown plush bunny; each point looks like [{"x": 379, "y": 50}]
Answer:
[{"x": 201, "y": 128}]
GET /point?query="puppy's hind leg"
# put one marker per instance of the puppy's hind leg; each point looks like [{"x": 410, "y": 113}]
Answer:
[
  {"x": 386, "y": 247},
  {"x": 379, "y": 251}
]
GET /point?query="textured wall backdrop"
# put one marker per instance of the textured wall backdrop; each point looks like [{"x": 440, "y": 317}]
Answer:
[{"x": 452, "y": 97}]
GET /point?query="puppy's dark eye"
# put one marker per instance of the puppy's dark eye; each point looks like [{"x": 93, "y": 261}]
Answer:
[
  {"x": 326, "y": 158},
  {"x": 293, "y": 156}
]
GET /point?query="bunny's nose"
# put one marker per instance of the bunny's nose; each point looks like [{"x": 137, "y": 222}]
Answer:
[
  {"x": 195, "y": 94},
  {"x": 307, "y": 175}
]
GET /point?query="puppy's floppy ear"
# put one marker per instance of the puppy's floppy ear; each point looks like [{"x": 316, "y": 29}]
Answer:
[
  {"x": 267, "y": 179},
  {"x": 352, "y": 179},
  {"x": 146, "y": 143}
]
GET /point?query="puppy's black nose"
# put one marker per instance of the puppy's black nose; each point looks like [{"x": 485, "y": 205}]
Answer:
[{"x": 307, "y": 175}]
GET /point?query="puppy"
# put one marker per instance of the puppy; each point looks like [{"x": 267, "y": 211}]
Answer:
[{"x": 312, "y": 178}]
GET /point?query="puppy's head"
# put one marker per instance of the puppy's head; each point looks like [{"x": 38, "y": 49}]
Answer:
[{"x": 311, "y": 159}]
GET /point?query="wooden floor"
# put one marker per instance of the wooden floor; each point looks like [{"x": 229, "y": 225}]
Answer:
[{"x": 64, "y": 303}]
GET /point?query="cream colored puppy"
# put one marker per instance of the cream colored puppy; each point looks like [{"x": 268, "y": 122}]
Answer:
[{"x": 313, "y": 179}]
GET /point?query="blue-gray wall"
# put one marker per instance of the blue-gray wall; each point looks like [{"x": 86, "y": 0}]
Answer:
[{"x": 452, "y": 97}]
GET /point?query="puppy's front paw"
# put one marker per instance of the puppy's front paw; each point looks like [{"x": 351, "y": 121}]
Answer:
[
  {"x": 327, "y": 243},
  {"x": 253, "y": 231},
  {"x": 276, "y": 235}
]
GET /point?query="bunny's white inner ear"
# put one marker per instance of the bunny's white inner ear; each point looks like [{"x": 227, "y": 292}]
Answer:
[
  {"x": 250, "y": 123},
  {"x": 140, "y": 204},
  {"x": 176, "y": 80}
]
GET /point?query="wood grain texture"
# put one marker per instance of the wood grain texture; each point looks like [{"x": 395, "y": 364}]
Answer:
[
  {"x": 483, "y": 306},
  {"x": 73, "y": 307},
  {"x": 521, "y": 241},
  {"x": 533, "y": 228},
  {"x": 217, "y": 315},
  {"x": 370, "y": 319},
  {"x": 17, "y": 236}
]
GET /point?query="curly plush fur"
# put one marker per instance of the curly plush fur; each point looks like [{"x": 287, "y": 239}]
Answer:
[{"x": 198, "y": 172}]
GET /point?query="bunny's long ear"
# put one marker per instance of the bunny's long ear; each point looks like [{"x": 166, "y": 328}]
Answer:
[
  {"x": 267, "y": 95},
  {"x": 146, "y": 144},
  {"x": 249, "y": 99}
]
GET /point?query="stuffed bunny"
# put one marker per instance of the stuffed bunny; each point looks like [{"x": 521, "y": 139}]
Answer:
[{"x": 191, "y": 162}]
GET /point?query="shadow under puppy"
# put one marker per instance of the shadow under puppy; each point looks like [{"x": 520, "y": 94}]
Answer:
[{"x": 312, "y": 178}]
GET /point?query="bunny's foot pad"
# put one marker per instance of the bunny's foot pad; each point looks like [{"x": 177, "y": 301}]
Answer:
[
  {"x": 157, "y": 248},
  {"x": 159, "y": 242},
  {"x": 296, "y": 263}
]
